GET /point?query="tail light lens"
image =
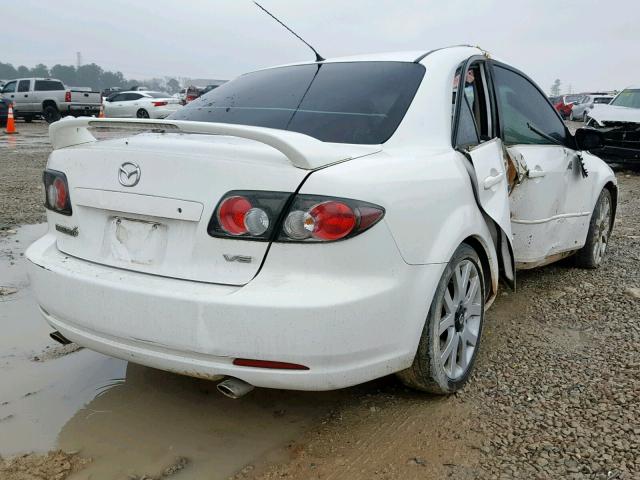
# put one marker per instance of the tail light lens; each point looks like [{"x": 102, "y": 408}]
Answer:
[
  {"x": 56, "y": 191},
  {"x": 284, "y": 218},
  {"x": 159, "y": 104},
  {"x": 313, "y": 218},
  {"x": 67, "y": 97},
  {"x": 247, "y": 214}
]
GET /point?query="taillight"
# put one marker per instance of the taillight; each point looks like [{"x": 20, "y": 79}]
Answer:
[
  {"x": 313, "y": 218},
  {"x": 56, "y": 191},
  {"x": 309, "y": 218},
  {"x": 67, "y": 96},
  {"x": 247, "y": 214},
  {"x": 159, "y": 104}
]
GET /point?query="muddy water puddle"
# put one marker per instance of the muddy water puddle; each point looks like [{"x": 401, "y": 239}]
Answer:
[{"x": 130, "y": 419}]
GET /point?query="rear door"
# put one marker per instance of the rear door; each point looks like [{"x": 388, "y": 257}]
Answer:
[
  {"x": 131, "y": 104},
  {"x": 475, "y": 135},
  {"x": 545, "y": 220}
]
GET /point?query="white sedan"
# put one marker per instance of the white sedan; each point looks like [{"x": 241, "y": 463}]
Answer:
[
  {"x": 141, "y": 104},
  {"x": 318, "y": 225}
]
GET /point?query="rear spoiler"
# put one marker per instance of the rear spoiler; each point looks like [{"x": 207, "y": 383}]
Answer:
[{"x": 303, "y": 151}]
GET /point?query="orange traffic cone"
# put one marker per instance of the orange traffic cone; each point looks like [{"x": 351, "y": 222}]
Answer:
[
  {"x": 11, "y": 123},
  {"x": 101, "y": 114}
]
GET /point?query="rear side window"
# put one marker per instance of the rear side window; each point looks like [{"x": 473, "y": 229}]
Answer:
[
  {"x": 132, "y": 96},
  {"x": 48, "y": 85},
  {"x": 359, "y": 102},
  {"x": 23, "y": 85},
  {"x": 521, "y": 103}
]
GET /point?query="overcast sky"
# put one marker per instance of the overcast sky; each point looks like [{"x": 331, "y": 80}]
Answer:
[{"x": 588, "y": 44}]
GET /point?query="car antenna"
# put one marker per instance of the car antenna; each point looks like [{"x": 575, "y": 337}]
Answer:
[{"x": 318, "y": 56}]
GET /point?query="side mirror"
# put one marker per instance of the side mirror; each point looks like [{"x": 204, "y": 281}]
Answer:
[{"x": 589, "y": 139}]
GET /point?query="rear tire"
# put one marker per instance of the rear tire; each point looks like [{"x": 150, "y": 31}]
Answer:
[
  {"x": 142, "y": 113},
  {"x": 453, "y": 328},
  {"x": 592, "y": 254},
  {"x": 28, "y": 119},
  {"x": 51, "y": 114}
]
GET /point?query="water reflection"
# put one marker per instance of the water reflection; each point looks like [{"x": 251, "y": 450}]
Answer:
[{"x": 141, "y": 424}]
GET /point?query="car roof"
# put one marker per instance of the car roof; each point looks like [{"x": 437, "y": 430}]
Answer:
[{"x": 409, "y": 56}]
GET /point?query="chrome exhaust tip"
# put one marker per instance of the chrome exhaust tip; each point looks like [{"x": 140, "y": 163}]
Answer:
[
  {"x": 234, "y": 388},
  {"x": 58, "y": 337}
]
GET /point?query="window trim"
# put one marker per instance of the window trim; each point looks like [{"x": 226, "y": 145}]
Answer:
[
  {"x": 569, "y": 138},
  {"x": 492, "y": 104}
]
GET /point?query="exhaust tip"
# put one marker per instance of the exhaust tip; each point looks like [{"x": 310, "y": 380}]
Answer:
[
  {"x": 58, "y": 337},
  {"x": 234, "y": 388}
]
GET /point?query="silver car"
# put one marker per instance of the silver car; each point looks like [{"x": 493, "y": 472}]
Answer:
[{"x": 581, "y": 108}]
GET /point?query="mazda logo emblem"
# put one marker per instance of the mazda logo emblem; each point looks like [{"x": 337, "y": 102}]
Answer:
[{"x": 129, "y": 174}]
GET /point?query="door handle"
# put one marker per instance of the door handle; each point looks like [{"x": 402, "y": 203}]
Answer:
[
  {"x": 492, "y": 180},
  {"x": 26, "y": 96},
  {"x": 537, "y": 172}
]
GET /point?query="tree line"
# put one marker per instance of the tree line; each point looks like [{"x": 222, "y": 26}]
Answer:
[{"x": 89, "y": 75}]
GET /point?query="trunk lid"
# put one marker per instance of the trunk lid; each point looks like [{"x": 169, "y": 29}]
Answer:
[{"x": 159, "y": 224}]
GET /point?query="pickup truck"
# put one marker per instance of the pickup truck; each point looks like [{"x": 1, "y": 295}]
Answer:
[{"x": 49, "y": 98}]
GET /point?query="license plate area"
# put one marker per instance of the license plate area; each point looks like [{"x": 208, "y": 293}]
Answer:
[{"x": 131, "y": 241}]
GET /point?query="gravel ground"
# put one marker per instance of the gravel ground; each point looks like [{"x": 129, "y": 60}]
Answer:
[
  {"x": 558, "y": 388},
  {"x": 22, "y": 160}
]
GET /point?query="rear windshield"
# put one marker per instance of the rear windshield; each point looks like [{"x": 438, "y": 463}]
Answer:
[
  {"x": 628, "y": 98},
  {"x": 48, "y": 85},
  {"x": 360, "y": 102}
]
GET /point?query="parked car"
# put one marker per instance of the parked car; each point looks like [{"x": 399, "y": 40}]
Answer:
[
  {"x": 49, "y": 98},
  {"x": 619, "y": 124},
  {"x": 565, "y": 104},
  {"x": 317, "y": 225},
  {"x": 580, "y": 110},
  {"x": 108, "y": 92},
  {"x": 4, "y": 110},
  {"x": 140, "y": 104}
]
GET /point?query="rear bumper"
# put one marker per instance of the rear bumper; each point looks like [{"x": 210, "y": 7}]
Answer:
[
  {"x": 346, "y": 330},
  {"x": 88, "y": 109}
]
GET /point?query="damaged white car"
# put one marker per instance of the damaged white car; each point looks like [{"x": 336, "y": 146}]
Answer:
[
  {"x": 619, "y": 124},
  {"x": 318, "y": 225}
]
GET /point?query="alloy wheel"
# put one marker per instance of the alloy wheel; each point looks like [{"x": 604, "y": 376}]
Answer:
[
  {"x": 459, "y": 322},
  {"x": 603, "y": 229}
]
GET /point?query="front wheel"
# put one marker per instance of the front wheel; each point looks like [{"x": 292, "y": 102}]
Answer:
[
  {"x": 451, "y": 334},
  {"x": 592, "y": 254},
  {"x": 142, "y": 113}
]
